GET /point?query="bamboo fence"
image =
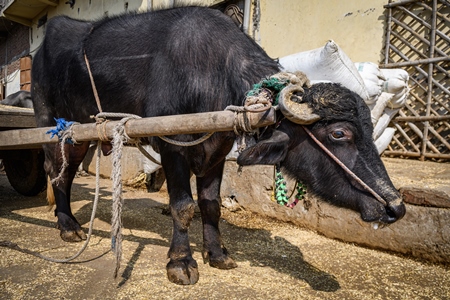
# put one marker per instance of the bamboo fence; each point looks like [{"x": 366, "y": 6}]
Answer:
[{"x": 418, "y": 40}]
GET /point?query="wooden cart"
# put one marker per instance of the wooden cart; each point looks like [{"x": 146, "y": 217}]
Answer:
[{"x": 24, "y": 167}]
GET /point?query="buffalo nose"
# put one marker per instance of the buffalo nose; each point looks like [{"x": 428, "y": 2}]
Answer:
[{"x": 396, "y": 209}]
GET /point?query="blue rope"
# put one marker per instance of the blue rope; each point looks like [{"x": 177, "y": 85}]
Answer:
[{"x": 61, "y": 126}]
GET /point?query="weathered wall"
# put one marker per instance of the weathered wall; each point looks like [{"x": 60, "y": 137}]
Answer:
[
  {"x": 83, "y": 9},
  {"x": 14, "y": 44},
  {"x": 12, "y": 47},
  {"x": 293, "y": 26},
  {"x": 287, "y": 26}
]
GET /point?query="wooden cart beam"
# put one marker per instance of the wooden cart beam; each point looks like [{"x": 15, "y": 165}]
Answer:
[
  {"x": 154, "y": 126},
  {"x": 12, "y": 117}
]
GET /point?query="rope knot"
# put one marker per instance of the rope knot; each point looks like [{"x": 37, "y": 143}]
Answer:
[
  {"x": 101, "y": 128},
  {"x": 262, "y": 97},
  {"x": 64, "y": 131}
]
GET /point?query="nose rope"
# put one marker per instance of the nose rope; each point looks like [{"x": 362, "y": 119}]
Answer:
[
  {"x": 91, "y": 78},
  {"x": 349, "y": 172}
]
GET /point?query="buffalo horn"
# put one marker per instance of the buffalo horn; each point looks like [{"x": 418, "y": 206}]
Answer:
[{"x": 299, "y": 113}]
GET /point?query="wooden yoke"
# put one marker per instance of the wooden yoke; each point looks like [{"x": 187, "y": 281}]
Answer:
[{"x": 136, "y": 128}]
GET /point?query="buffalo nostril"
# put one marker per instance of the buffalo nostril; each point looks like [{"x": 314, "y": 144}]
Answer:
[
  {"x": 396, "y": 209},
  {"x": 391, "y": 212}
]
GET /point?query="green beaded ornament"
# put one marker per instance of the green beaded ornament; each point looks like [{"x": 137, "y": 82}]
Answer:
[{"x": 280, "y": 190}]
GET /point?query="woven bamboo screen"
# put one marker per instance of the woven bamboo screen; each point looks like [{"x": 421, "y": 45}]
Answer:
[{"x": 418, "y": 41}]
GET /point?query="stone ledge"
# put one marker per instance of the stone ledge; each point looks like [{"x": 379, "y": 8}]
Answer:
[
  {"x": 423, "y": 233},
  {"x": 426, "y": 197}
]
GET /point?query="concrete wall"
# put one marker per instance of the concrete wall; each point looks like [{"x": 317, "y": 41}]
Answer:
[
  {"x": 293, "y": 26},
  {"x": 286, "y": 26}
]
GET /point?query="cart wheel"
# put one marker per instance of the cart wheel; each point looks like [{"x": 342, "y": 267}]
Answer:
[{"x": 25, "y": 171}]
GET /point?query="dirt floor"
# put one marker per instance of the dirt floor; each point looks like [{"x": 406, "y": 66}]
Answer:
[{"x": 276, "y": 260}]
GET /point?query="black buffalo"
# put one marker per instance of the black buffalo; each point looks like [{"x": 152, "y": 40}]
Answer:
[
  {"x": 19, "y": 99},
  {"x": 189, "y": 60}
]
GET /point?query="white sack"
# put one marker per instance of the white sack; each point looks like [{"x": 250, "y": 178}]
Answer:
[
  {"x": 397, "y": 84},
  {"x": 149, "y": 166},
  {"x": 377, "y": 108},
  {"x": 385, "y": 139},
  {"x": 249, "y": 140},
  {"x": 373, "y": 79},
  {"x": 383, "y": 122},
  {"x": 327, "y": 63},
  {"x": 234, "y": 153}
]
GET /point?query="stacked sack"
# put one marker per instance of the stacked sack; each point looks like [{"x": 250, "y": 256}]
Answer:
[
  {"x": 326, "y": 64},
  {"x": 388, "y": 90},
  {"x": 384, "y": 90}
]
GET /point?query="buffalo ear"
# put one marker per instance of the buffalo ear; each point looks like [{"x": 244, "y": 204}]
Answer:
[{"x": 269, "y": 151}]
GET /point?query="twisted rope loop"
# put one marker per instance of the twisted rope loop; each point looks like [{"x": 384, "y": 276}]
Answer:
[
  {"x": 120, "y": 137},
  {"x": 64, "y": 131},
  {"x": 261, "y": 98}
]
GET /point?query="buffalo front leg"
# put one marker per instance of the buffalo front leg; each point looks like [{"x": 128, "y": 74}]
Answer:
[
  {"x": 182, "y": 268},
  {"x": 208, "y": 190},
  {"x": 70, "y": 229}
]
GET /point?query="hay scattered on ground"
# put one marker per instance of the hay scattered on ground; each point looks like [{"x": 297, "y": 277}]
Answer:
[{"x": 275, "y": 260}]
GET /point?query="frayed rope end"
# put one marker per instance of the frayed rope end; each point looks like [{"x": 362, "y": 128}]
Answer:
[{"x": 61, "y": 126}]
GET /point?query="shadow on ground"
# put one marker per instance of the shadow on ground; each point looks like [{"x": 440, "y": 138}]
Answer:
[{"x": 256, "y": 246}]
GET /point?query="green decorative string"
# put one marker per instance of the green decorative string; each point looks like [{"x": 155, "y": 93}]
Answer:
[
  {"x": 280, "y": 190},
  {"x": 274, "y": 85}
]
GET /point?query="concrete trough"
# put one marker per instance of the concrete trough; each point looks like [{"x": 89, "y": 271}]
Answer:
[{"x": 423, "y": 233}]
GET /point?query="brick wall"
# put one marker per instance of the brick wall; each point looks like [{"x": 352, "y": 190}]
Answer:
[
  {"x": 16, "y": 44},
  {"x": 12, "y": 48}
]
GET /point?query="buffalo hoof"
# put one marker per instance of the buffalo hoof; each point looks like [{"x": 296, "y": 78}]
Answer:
[
  {"x": 183, "y": 272},
  {"x": 70, "y": 230},
  {"x": 223, "y": 261},
  {"x": 73, "y": 236},
  {"x": 225, "y": 264}
]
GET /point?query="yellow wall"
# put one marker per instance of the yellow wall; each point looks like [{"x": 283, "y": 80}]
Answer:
[
  {"x": 287, "y": 26},
  {"x": 291, "y": 26}
]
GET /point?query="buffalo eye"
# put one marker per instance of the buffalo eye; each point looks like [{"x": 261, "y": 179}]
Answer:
[{"x": 338, "y": 134}]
